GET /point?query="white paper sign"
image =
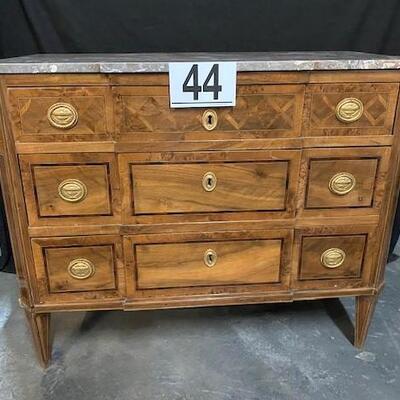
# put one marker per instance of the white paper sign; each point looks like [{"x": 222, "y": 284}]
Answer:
[{"x": 202, "y": 84}]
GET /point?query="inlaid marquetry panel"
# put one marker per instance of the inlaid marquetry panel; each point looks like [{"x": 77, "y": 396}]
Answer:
[
  {"x": 349, "y": 109},
  {"x": 55, "y": 114},
  {"x": 261, "y": 111}
]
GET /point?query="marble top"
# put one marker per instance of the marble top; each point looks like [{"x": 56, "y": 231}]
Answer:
[{"x": 158, "y": 62}]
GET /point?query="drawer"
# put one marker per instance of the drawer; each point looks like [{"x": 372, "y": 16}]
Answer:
[
  {"x": 143, "y": 113},
  {"x": 78, "y": 268},
  {"x": 59, "y": 114},
  {"x": 335, "y": 257},
  {"x": 332, "y": 257},
  {"x": 346, "y": 178},
  {"x": 174, "y": 264},
  {"x": 349, "y": 109},
  {"x": 185, "y": 188},
  {"x": 341, "y": 183},
  {"x": 208, "y": 263},
  {"x": 67, "y": 186},
  {"x": 204, "y": 186}
]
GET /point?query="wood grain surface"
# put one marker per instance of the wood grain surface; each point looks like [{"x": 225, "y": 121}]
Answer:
[{"x": 182, "y": 264}]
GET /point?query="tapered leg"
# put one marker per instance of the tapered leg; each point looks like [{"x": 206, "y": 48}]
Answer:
[
  {"x": 365, "y": 306},
  {"x": 40, "y": 328}
]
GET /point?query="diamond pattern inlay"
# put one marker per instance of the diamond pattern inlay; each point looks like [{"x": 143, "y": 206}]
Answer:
[{"x": 252, "y": 112}]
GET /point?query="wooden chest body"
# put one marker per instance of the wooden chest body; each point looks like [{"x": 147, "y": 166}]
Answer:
[{"x": 116, "y": 201}]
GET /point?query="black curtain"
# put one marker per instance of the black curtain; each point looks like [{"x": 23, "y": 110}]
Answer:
[
  {"x": 74, "y": 26},
  {"x": 118, "y": 26}
]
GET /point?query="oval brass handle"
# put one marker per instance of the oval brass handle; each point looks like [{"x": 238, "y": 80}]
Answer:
[
  {"x": 81, "y": 268},
  {"x": 210, "y": 258},
  {"x": 342, "y": 183},
  {"x": 62, "y": 115},
  {"x": 209, "y": 181},
  {"x": 333, "y": 258},
  {"x": 72, "y": 190},
  {"x": 349, "y": 109},
  {"x": 209, "y": 120}
]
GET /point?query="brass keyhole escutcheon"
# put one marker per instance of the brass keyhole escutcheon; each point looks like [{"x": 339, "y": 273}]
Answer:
[
  {"x": 210, "y": 258},
  {"x": 342, "y": 183},
  {"x": 333, "y": 258},
  {"x": 62, "y": 115},
  {"x": 209, "y": 181},
  {"x": 209, "y": 120},
  {"x": 349, "y": 110},
  {"x": 72, "y": 190},
  {"x": 81, "y": 268}
]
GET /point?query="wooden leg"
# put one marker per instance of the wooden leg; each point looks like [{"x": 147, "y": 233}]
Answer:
[
  {"x": 40, "y": 328},
  {"x": 365, "y": 306}
]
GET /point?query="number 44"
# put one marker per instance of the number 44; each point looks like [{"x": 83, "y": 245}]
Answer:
[{"x": 195, "y": 88}]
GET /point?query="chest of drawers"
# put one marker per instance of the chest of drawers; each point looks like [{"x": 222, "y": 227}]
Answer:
[{"x": 115, "y": 201}]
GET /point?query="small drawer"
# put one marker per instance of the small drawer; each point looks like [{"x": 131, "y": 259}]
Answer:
[
  {"x": 78, "y": 268},
  {"x": 342, "y": 181},
  {"x": 67, "y": 186},
  {"x": 59, "y": 114},
  {"x": 190, "y": 188},
  {"x": 209, "y": 263},
  {"x": 83, "y": 268},
  {"x": 349, "y": 109},
  {"x": 332, "y": 257},
  {"x": 262, "y": 111}
]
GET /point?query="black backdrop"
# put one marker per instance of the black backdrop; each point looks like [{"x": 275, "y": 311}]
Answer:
[
  {"x": 31, "y": 26},
  {"x": 74, "y": 26}
]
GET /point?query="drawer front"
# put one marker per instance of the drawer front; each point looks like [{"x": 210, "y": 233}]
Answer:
[
  {"x": 349, "y": 109},
  {"x": 80, "y": 268},
  {"x": 59, "y": 114},
  {"x": 72, "y": 190},
  {"x": 60, "y": 187},
  {"x": 208, "y": 263},
  {"x": 261, "y": 111},
  {"x": 341, "y": 183},
  {"x": 335, "y": 257},
  {"x": 332, "y": 257},
  {"x": 185, "y": 188}
]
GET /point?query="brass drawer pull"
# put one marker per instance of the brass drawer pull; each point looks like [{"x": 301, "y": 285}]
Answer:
[
  {"x": 81, "y": 268},
  {"x": 210, "y": 258},
  {"x": 209, "y": 120},
  {"x": 72, "y": 190},
  {"x": 62, "y": 115},
  {"x": 209, "y": 181},
  {"x": 349, "y": 110},
  {"x": 342, "y": 183},
  {"x": 333, "y": 258}
]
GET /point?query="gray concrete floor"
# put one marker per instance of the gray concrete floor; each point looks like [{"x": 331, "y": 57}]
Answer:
[{"x": 294, "y": 351}]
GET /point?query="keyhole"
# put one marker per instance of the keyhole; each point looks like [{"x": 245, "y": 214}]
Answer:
[
  {"x": 209, "y": 181},
  {"x": 210, "y": 258},
  {"x": 209, "y": 119}
]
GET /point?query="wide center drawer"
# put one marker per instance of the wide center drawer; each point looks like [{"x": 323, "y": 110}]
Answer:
[
  {"x": 143, "y": 113},
  {"x": 208, "y": 263},
  {"x": 185, "y": 188}
]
